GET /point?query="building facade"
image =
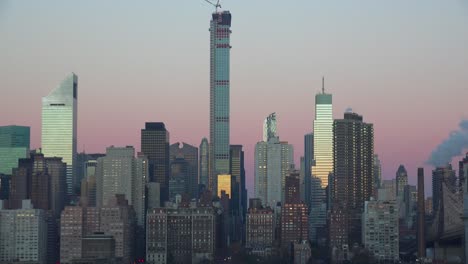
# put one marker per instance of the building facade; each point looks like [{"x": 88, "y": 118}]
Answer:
[
  {"x": 14, "y": 145},
  {"x": 260, "y": 231},
  {"x": 180, "y": 235},
  {"x": 353, "y": 169},
  {"x": 220, "y": 49},
  {"x": 204, "y": 160},
  {"x": 380, "y": 230},
  {"x": 23, "y": 235},
  {"x": 59, "y": 126},
  {"x": 155, "y": 146}
]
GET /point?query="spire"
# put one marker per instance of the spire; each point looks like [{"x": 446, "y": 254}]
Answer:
[{"x": 323, "y": 84}]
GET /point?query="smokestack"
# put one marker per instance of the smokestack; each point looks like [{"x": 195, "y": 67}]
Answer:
[
  {"x": 451, "y": 147},
  {"x": 421, "y": 215}
]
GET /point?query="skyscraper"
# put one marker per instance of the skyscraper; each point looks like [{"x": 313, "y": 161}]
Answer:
[
  {"x": 401, "y": 181},
  {"x": 353, "y": 169},
  {"x": 204, "y": 160},
  {"x": 155, "y": 146},
  {"x": 308, "y": 162},
  {"x": 14, "y": 145},
  {"x": 59, "y": 126},
  {"x": 323, "y": 136},
  {"x": 377, "y": 174},
  {"x": 220, "y": 32},
  {"x": 189, "y": 154},
  {"x": 114, "y": 174}
]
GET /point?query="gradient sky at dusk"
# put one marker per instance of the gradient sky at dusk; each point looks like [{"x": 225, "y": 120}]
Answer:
[{"x": 401, "y": 64}]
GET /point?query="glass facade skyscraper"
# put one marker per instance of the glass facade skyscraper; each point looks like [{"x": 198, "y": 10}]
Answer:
[
  {"x": 323, "y": 137},
  {"x": 14, "y": 145},
  {"x": 219, "y": 96},
  {"x": 59, "y": 126},
  {"x": 204, "y": 161}
]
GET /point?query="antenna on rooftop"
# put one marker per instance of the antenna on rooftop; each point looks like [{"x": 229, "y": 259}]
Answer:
[
  {"x": 216, "y": 5},
  {"x": 323, "y": 84}
]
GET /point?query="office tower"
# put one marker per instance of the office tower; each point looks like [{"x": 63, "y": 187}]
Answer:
[
  {"x": 23, "y": 235},
  {"x": 294, "y": 223},
  {"x": 57, "y": 171},
  {"x": 204, "y": 160},
  {"x": 302, "y": 252},
  {"x": 225, "y": 184},
  {"x": 318, "y": 211},
  {"x": 421, "y": 215},
  {"x": 153, "y": 195},
  {"x": 140, "y": 178},
  {"x": 59, "y": 126},
  {"x": 180, "y": 234},
  {"x": 260, "y": 230},
  {"x": 273, "y": 160},
  {"x": 292, "y": 187},
  {"x": 308, "y": 162},
  {"x": 114, "y": 174},
  {"x": 463, "y": 171},
  {"x": 302, "y": 178},
  {"x": 40, "y": 180},
  {"x": 179, "y": 178},
  {"x": 323, "y": 136},
  {"x": 270, "y": 127},
  {"x": 20, "y": 188},
  {"x": 380, "y": 230},
  {"x": 401, "y": 181},
  {"x": 353, "y": 169},
  {"x": 4, "y": 186},
  {"x": 88, "y": 184},
  {"x": 239, "y": 193},
  {"x": 428, "y": 205},
  {"x": 14, "y": 145},
  {"x": 155, "y": 146},
  {"x": 189, "y": 154},
  {"x": 439, "y": 176},
  {"x": 220, "y": 47},
  {"x": 377, "y": 174}
]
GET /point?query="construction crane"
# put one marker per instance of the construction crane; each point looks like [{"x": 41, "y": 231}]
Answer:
[{"x": 216, "y": 5}]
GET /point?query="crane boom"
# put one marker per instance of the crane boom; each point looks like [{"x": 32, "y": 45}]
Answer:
[{"x": 216, "y": 5}]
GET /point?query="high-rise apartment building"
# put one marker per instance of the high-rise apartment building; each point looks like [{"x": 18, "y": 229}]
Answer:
[
  {"x": 14, "y": 145},
  {"x": 377, "y": 174},
  {"x": 270, "y": 129},
  {"x": 380, "y": 230},
  {"x": 59, "y": 126},
  {"x": 204, "y": 160},
  {"x": 323, "y": 137},
  {"x": 260, "y": 231},
  {"x": 23, "y": 235},
  {"x": 294, "y": 223},
  {"x": 239, "y": 193},
  {"x": 180, "y": 234},
  {"x": 220, "y": 31},
  {"x": 353, "y": 169},
  {"x": 463, "y": 172},
  {"x": 116, "y": 219},
  {"x": 155, "y": 146}
]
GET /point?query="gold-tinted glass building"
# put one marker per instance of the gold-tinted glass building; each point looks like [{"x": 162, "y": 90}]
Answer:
[{"x": 224, "y": 184}]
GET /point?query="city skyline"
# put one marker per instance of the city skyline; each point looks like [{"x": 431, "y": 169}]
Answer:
[{"x": 411, "y": 149}]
